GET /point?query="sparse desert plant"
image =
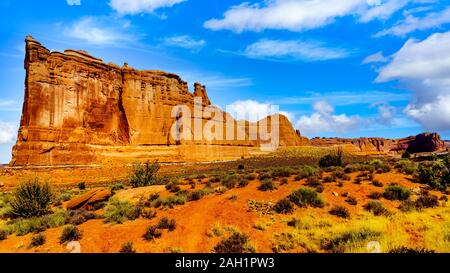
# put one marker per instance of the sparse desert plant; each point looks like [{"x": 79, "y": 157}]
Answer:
[
  {"x": 281, "y": 172},
  {"x": 196, "y": 195},
  {"x": 319, "y": 188},
  {"x": 409, "y": 250},
  {"x": 304, "y": 197},
  {"x": 151, "y": 233},
  {"x": 283, "y": 181},
  {"x": 375, "y": 195},
  {"x": 77, "y": 217},
  {"x": 127, "y": 247},
  {"x": 262, "y": 207},
  {"x": 241, "y": 167},
  {"x": 117, "y": 211},
  {"x": 230, "y": 181},
  {"x": 357, "y": 180},
  {"x": 340, "y": 211},
  {"x": 313, "y": 181},
  {"x": 170, "y": 201},
  {"x": 267, "y": 185},
  {"x": 376, "y": 207},
  {"x": 407, "y": 166},
  {"x": 435, "y": 174},
  {"x": 243, "y": 183},
  {"x": 70, "y": 233},
  {"x": 82, "y": 186},
  {"x": 166, "y": 223},
  {"x": 351, "y": 201},
  {"x": 23, "y": 226},
  {"x": 284, "y": 206},
  {"x": 407, "y": 206},
  {"x": 250, "y": 176},
  {"x": 426, "y": 201},
  {"x": 144, "y": 174},
  {"x": 306, "y": 171},
  {"x": 340, "y": 242},
  {"x": 396, "y": 192},
  {"x": 117, "y": 186},
  {"x": 3, "y": 234},
  {"x": 236, "y": 243},
  {"x": 173, "y": 186},
  {"x": 406, "y": 155},
  {"x": 332, "y": 160},
  {"x": 153, "y": 197},
  {"x": 31, "y": 198},
  {"x": 37, "y": 240},
  {"x": 377, "y": 183}
]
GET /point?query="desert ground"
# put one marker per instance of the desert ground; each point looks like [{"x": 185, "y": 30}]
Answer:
[{"x": 292, "y": 200}]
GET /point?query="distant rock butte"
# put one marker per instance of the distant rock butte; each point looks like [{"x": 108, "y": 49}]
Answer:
[
  {"x": 425, "y": 142},
  {"x": 79, "y": 110}
]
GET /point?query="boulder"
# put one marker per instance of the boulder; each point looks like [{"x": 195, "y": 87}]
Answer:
[{"x": 88, "y": 199}]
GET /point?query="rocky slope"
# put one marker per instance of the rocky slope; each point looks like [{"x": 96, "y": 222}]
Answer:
[
  {"x": 425, "y": 142},
  {"x": 79, "y": 110}
]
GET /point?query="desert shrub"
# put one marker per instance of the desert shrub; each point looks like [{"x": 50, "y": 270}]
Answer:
[
  {"x": 409, "y": 250},
  {"x": 319, "y": 188},
  {"x": 236, "y": 243},
  {"x": 340, "y": 174},
  {"x": 375, "y": 195},
  {"x": 306, "y": 171},
  {"x": 376, "y": 207},
  {"x": 173, "y": 186},
  {"x": 380, "y": 166},
  {"x": 196, "y": 195},
  {"x": 284, "y": 206},
  {"x": 304, "y": 197},
  {"x": 3, "y": 234},
  {"x": 23, "y": 226},
  {"x": 396, "y": 192},
  {"x": 294, "y": 222},
  {"x": 250, "y": 176},
  {"x": 31, "y": 198},
  {"x": 406, "y": 166},
  {"x": 117, "y": 186},
  {"x": 406, "y": 155},
  {"x": 313, "y": 181},
  {"x": 351, "y": 201},
  {"x": 281, "y": 172},
  {"x": 77, "y": 217},
  {"x": 243, "y": 183},
  {"x": 267, "y": 185},
  {"x": 283, "y": 181},
  {"x": 82, "y": 186},
  {"x": 377, "y": 183},
  {"x": 201, "y": 176},
  {"x": 214, "y": 179},
  {"x": 117, "y": 211},
  {"x": 241, "y": 167},
  {"x": 407, "y": 206},
  {"x": 357, "y": 180},
  {"x": 356, "y": 167},
  {"x": 144, "y": 174},
  {"x": 230, "y": 181},
  {"x": 70, "y": 233},
  {"x": 329, "y": 179},
  {"x": 170, "y": 201},
  {"x": 151, "y": 233},
  {"x": 153, "y": 197},
  {"x": 221, "y": 190},
  {"x": 437, "y": 175},
  {"x": 62, "y": 197},
  {"x": 262, "y": 207},
  {"x": 340, "y": 211},
  {"x": 37, "y": 240},
  {"x": 426, "y": 201},
  {"x": 340, "y": 242},
  {"x": 166, "y": 223},
  {"x": 127, "y": 247},
  {"x": 332, "y": 160}
]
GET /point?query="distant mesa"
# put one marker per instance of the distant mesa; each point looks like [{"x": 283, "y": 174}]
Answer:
[{"x": 79, "y": 110}]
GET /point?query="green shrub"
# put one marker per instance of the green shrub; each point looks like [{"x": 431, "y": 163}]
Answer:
[
  {"x": 196, "y": 195},
  {"x": 304, "y": 197},
  {"x": 332, "y": 160},
  {"x": 127, "y": 248},
  {"x": 70, "y": 233},
  {"x": 281, "y": 172},
  {"x": 406, "y": 155},
  {"x": 351, "y": 201},
  {"x": 77, "y": 217},
  {"x": 170, "y": 201},
  {"x": 23, "y": 226},
  {"x": 340, "y": 242},
  {"x": 31, "y": 198},
  {"x": 375, "y": 195},
  {"x": 117, "y": 186},
  {"x": 377, "y": 183},
  {"x": 396, "y": 192},
  {"x": 3, "y": 234},
  {"x": 306, "y": 171},
  {"x": 152, "y": 233},
  {"x": 173, "y": 186},
  {"x": 166, "y": 223},
  {"x": 267, "y": 185},
  {"x": 340, "y": 211},
  {"x": 284, "y": 206},
  {"x": 426, "y": 201},
  {"x": 230, "y": 181},
  {"x": 144, "y": 174},
  {"x": 250, "y": 176},
  {"x": 236, "y": 243},
  {"x": 117, "y": 211},
  {"x": 406, "y": 166},
  {"x": 243, "y": 183},
  {"x": 409, "y": 250},
  {"x": 437, "y": 176},
  {"x": 82, "y": 186},
  {"x": 37, "y": 240},
  {"x": 376, "y": 207}
]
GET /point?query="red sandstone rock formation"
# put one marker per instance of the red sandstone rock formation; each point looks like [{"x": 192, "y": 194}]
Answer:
[
  {"x": 79, "y": 110},
  {"x": 425, "y": 142}
]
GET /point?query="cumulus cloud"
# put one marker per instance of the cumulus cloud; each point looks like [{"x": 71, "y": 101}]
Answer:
[
  {"x": 299, "y": 15},
  {"x": 293, "y": 50},
  {"x": 132, "y": 7},
  {"x": 184, "y": 41},
  {"x": 252, "y": 110},
  {"x": 386, "y": 113},
  {"x": 8, "y": 133},
  {"x": 324, "y": 120},
  {"x": 375, "y": 58},
  {"x": 424, "y": 68},
  {"x": 412, "y": 23},
  {"x": 73, "y": 2},
  {"x": 100, "y": 30}
]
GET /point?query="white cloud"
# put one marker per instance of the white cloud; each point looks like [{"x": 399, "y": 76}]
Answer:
[
  {"x": 141, "y": 6},
  {"x": 252, "y": 110},
  {"x": 375, "y": 58},
  {"x": 73, "y": 2},
  {"x": 8, "y": 132},
  {"x": 424, "y": 68},
  {"x": 386, "y": 113},
  {"x": 100, "y": 31},
  {"x": 412, "y": 23},
  {"x": 184, "y": 41},
  {"x": 324, "y": 120},
  {"x": 299, "y": 15},
  {"x": 293, "y": 49}
]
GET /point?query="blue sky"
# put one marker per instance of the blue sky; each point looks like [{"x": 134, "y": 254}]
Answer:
[{"x": 336, "y": 68}]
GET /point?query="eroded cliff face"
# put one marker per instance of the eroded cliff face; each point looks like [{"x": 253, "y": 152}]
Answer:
[
  {"x": 425, "y": 142},
  {"x": 79, "y": 110}
]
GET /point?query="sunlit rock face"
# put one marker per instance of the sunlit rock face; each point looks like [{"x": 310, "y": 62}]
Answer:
[{"x": 79, "y": 110}]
